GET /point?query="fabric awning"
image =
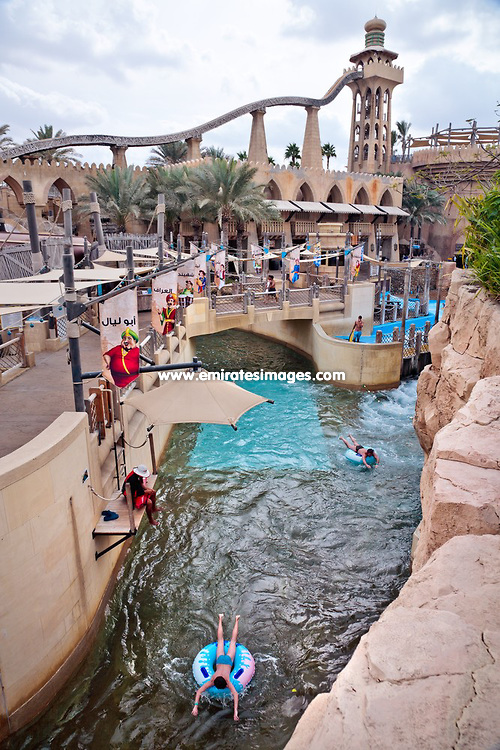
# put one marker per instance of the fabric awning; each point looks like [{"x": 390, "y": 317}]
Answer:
[
  {"x": 366, "y": 209},
  {"x": 283, "y": 205},
  {"x": 311, "y": 207},
  {"x": 197, "y": 400},
  {"x": 97, "y": 275},
  {"x": 393, "y": 211},
  {"x": 35, "y": 294},
  {"x": 146, "y": 252},
  {"x": 341, "y": 208}
]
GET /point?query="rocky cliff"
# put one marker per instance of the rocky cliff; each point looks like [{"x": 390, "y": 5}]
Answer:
[{"x": 427, "y": 674}]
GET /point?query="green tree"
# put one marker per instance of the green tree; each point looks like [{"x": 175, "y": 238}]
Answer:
[
  {"x": 403, "y": 135},
  {"x": 46, "y": 132},
  {"x": 293, "y": 154},
  {"x": 121, "y": 194},
  {"x": 5, "y": 140},
  {"x": 394, "y": 138},
  {"x": 215, "y": 152},
  {"x": 328, "y": 150},
  {"x": 226, "y": 190},
  {"x": 482, "y": 235},
  {"x": 168, "y": 153},
  {"x": 242, "y": 155},
  {"x": 271, "y": 161},
  {"x": 424, "y": 204}
]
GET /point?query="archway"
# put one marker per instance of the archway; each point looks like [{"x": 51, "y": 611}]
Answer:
[
  {"x": 272, "y": 191},
  {"x": 362, "y": 197},
  {"x": 386, "y": 199},
  {"x": 335, "y": 195},
  {"x": 304, "y": 193}
]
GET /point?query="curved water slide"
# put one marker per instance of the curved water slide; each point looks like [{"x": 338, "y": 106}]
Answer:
[{"x": 32, "y": 147}]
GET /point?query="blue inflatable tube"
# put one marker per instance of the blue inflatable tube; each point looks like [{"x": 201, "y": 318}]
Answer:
[
  {"x": 354, "y": 458},
  {"x": 242, "y": 672}
]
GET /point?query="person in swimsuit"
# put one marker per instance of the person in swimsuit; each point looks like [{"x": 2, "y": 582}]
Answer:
[
  {"x": 360, "y": 451},
  {"x": 223, "y": 667}
]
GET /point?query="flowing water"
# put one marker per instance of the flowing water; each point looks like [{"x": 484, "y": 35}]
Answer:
[{"x": 271, "y": 522}]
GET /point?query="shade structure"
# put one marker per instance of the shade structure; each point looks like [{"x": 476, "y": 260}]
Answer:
[{"x": 198, "y": 400}]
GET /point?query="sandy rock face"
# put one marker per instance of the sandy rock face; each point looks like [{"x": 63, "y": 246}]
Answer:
[{"x": 426, "y": 674}]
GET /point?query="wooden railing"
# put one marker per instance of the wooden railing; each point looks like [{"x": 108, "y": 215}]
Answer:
[
  {"x": 361, "y": 229},
  {"x": 13, "y": 354},
  {"x": 272, "y": 227},
  {"x": 301, "y": 228}
]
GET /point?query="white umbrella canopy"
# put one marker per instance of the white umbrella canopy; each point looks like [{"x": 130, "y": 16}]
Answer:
[{"x": 197, "y": 400}]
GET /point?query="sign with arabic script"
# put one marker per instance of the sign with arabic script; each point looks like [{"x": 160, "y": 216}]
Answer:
[{"x": 119, "y": 323}]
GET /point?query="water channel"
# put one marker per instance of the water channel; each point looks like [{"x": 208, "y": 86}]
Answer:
[{"x": 270, "y": 522}]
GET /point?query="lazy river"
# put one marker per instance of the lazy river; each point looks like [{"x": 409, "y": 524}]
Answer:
[{"x": 270, "y": 522}]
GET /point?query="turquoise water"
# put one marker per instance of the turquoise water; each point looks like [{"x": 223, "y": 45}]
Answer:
[{"x": 271, "y": 522}]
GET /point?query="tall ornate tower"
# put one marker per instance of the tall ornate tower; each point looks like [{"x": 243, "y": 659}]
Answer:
[{"x": 370, "y": 142}]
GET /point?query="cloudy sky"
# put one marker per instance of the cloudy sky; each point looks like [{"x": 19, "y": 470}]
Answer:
[{"x": 152, "y": 67}]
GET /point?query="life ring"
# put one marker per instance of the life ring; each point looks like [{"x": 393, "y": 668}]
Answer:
[
  {"x": 355, "y": 458},
  {"x": 242, "y": 672}
]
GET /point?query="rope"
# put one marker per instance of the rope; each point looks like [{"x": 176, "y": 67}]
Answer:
[
  {"x": 29, "y": 197},
  {"x": 94, "y": 208},
  {"x": 141, "y": 445},
  {"x": 106, "y": 499}
]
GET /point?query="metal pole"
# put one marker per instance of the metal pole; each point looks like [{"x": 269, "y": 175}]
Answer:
[
  {"x": 29, "y": 203},
  {"x": 427, "y": 287},
  {"x": 179, "y": 248},
  {"x": 73, "y": 331},
  {"x": 283, "y": 265},
  {"x": 96, "y": 215},
  {"x": 384, "y": 301},
  {"x": 347, "y": 259},
  {"x": 130, "y": 263},
  {"x": 438, "y": 297}
]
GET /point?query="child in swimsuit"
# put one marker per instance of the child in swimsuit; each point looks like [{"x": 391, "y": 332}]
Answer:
[{"x": 223, "y": 665}]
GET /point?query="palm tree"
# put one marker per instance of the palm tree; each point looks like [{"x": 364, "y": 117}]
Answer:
[
  {"x": 215, "y": 152},
  {"x": 403, "y": 135},
  {"x": 168, "y": 153},
  {"x": 328, "y": 150},
  {"x": 5, "y": 140},
  {"x": 424, "y": 204},
  {"x": 242, "y": 155},
  {"x": 46, "y": 132},
  {"x": 293, "y": 153},
  {"x": 394, "y": 138},
  {"x": 226, "y": 189},
  {"x": 271, "y": 161},
  {"x": 120, "y": 194}
]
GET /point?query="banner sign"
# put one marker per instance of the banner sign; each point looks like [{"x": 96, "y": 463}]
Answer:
[
  {"x": 119, "y": 323},
  {"x": 220, "y": 269},
  {"x": 164, "y": 302},
  {"x": 257, "y": 257},
  {"x": 185, "y": 283},
  {"x": 200, "y": 275},
  {"x": 294, "y": 260},
  {"x": 193, "y": 249},
  {"x": 317, "y": 254}
]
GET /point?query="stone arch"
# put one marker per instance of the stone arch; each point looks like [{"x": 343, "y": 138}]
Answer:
[
  {"x": 362, "y": 197},
  {"x": 59, "y": 184},
  {"x": 272, "y": 191},
  {"x": 360, "y": 65},
  {"x": 384, "y": 137},
  {"x": 304, "y": 193},
  {"x": 378, "y": 96},
  {"x": 375, "y": 152},
  {"x": 376, "y": 131},
  {"x": 367, "y": 131},
  {"x": 15, "y": 187},
  {"x": 357, "y": 131},
  {"x": 365, "y": 152},
  {"x": 356, "y": 153},
  {"x": 386, "y": 199},
  {"x": 386, "y": 103},
  {"x": 357, "y": 103},
  {"x": 335, "y": 195},
  {"x": 384, "y": 152}
]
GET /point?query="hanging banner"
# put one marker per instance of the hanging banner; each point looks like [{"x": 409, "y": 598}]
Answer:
[
  {"x": 119, "y": 323},
  {"x": 220, "y": 268},
  {"x": 193, "y": 249},
  {"x": 317, "y": 254},
  {"x": 200, "y": 275},
  {"x": 294, "y": 260},
  {"x": 185, "y": 283},
  {"x": 356, "y": 260},
  {"x": 164, "y": 302},
  {"x": 257, "y": 257},
  {"x": 214, "y": 249}
]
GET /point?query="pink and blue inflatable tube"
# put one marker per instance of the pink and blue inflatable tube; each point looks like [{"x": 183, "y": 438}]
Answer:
[{"x": 242, "y": 672}]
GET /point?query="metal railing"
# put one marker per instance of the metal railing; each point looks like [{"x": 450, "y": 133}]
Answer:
[
  {"x": 394, "y": 312},
  {"x": 267, "y": 300},
  {"x": 91, "y": 409},
  {"x": 136, "y": 241},
  {"x": 61, "y": 327},
  {"x": 12, "y": 354},
  {"x": 300, "y": 297},
  {"x": 230, "y": 303},
  {"x": 329, "y": 293},
  {"x": 412, "y": 345},
  {"x": 152, "y": 343}
]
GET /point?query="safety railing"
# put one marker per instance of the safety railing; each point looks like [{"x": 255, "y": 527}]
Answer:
[
  {"x": 136, "y": 241},
  {"x": 91, "y": 409},
  {"x": 300, "y": 297},
  {"x": 61, "y": 327},
  {"x": 329, "y": 293},
  {"x": 230, "y": 303},
  {"x": 13, "y": 354},
  {"x": 416, "y": 338},
  {"x": 267, "y": 300}
]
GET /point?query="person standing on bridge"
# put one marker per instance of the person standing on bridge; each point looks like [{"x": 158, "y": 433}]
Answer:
[{"x": 358, "y": 327}]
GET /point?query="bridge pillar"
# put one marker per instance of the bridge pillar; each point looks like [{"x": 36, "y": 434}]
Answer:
[
  {"x": 119, "y": 158},
  {"x": 193, "y": 145},
  {"x": 257, "y": 150},
  {"x": 311, "y": 150}
]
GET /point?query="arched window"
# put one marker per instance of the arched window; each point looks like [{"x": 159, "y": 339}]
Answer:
[
  {"x": 272, "y": 191},
  {"x": 356, "y": 153},
  {"x": 304, "y": 193},
  {"x": 377, "y": 103},
  {"x": 384, "y": 153},
  {"x": 362, "y": 197},
  {"x": 386, "y": 103},
  {"x": 368, "y": 103},
  {"x": 375, "y": 152},
  {"x": 386, "y": 199},
  {"x": 360, "y": 66},
  {"x": 365, "y": 152},
  {"x": 356, "y": 132},
  {"x": 335, "y": 196},
  {"x": 384, "y": 137},
  {"x": 357, "y": 103},
  {"x": 376, "y": 131},
  {"x": 367, "y": 131},
  {"x": 370, "y": 60}
]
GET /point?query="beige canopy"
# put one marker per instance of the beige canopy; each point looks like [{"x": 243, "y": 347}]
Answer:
[
  {"x": 96, "y": 275},
  {"x": 115, "y": 256},
  {"x": 197, "y": 400},
  {"x": 35, "y": 294}
]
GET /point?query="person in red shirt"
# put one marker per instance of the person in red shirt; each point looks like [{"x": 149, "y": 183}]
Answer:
[
  {"x": 142, "y": 495},
  {"x": 121, "y": 363}
]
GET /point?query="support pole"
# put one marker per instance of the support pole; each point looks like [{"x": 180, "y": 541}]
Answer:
[
  {"x": 405, "y": 311},
  {"x": 73, "y": 331},
  {"x": 438, "y": 297},
  {"x": 427, "y": 288},
  {"x": 179, "y": 248},
  {"x": 384, "y": 299},
  {"x": 29, "y": 203},
  {"x": 154, "y": 469},
  {"x": 130, "y": 263},
  {"x": 160, "y": 210},
  {"x": 130, "y": 507},
  {"x": 96, "y": 215}
]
